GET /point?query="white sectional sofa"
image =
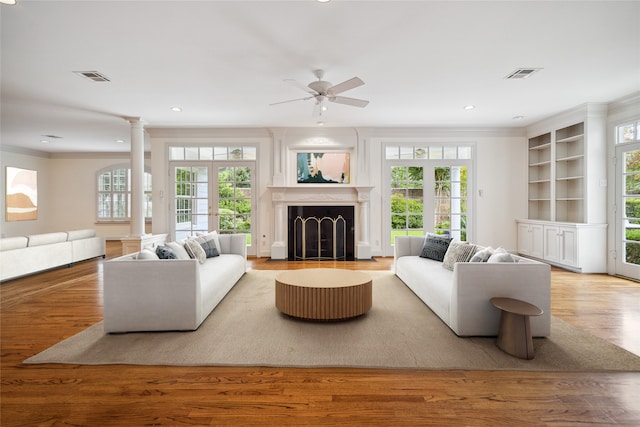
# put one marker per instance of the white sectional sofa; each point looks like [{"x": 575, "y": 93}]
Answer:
[
  {"x": 461, "y": 297},
  {"x": 22, "y": 255},
  {"x": 169, "y": 294}
]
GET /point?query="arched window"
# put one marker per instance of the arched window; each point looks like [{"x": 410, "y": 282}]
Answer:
[{"x": 114, "y": 194}]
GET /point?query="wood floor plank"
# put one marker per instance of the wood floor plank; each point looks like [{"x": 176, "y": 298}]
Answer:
[{"x": 40, "y": 310}]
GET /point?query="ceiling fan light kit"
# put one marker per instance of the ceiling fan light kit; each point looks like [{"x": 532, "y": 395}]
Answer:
[{"x": 322, "y": 91}]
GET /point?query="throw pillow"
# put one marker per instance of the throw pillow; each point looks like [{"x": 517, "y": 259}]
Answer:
[
  {"x": 435, "y": 247},
  {"x": 482, "y": 255},
  {"x": 165, "y": 252},
  {"x": 147, "y": 254},
  {"x": 194, "y": 250},
  {"x": 208, "y": 245},
  {"x": 502, "y": 256},
  {"x": 458, "y": 252},
  {"x": 212, "y": 235},
  {"x": 179, "y": 249}
]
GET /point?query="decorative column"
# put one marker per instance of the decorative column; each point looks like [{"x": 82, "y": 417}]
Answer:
[
  {"x": 363, "y": 247},
  {"x": 138, "y": 239},
  {"x": 279, "y": 246},
  {"x": 137, "y": 177}
]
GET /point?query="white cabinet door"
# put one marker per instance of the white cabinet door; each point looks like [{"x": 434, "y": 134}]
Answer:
[
  {"x": 530, "y": 239},
  {"x": 568, "y": 250},
  {"x": 551, "y": 251},
  {"x": 525, "y": 245}
]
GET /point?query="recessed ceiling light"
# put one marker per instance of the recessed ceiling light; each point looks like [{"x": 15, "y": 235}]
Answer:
[
  {"x": 518, "y": 117},
  {"x": 176, "y": 109},
  {"x": 320, "y": 123},
  {"x": 44, "y": 141},
  {"x": 8, "y": 1},
  {"x": 323, "y": 1},
  {"x": 120, "y": 141},
  {"x": 469, "y": 107}
]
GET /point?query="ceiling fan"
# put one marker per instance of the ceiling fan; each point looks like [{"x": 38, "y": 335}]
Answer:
[{"x": 323, "y": 91}]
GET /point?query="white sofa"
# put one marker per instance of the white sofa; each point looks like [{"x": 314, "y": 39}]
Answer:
[
  {"x": 169, "y": 294},
  {"x": 22, "y": 255},
  {"x": 461, "y": 297}
]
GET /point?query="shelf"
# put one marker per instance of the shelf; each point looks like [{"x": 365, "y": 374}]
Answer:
[
  {"x": 569, "y": 199},
  {"x": 569, "y": 139},
  {"x": 569, "y": 178},
  {"x": 539, "y": 200},
  {"x": 571, "y": 158},
  {"x": 546, "y": 162},
  {"x": 540, "y": 147},
  {"x": 540, "y": 181}
]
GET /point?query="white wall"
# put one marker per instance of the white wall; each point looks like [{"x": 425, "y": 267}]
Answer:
[
  {"x": 500, "y": 172},
  {"x": 66, "y": 191},
  {"x": 39, "y": 162},
  {"x": 67, "y": 182}
]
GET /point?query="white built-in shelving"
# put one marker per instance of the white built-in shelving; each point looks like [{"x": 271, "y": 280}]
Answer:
[{"x": 566, "y": 222}]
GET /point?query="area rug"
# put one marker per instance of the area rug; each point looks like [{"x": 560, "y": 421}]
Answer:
[{"x": 399, "y": 332}]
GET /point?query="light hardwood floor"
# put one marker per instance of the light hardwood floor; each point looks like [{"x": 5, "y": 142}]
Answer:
[{"x": 42, "y": 309}]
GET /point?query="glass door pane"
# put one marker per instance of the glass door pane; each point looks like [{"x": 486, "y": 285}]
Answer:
[
  {"x": 450, "y": 201},
  {"x": 192, "y": 209},
  {"x": 235, "y": 200},
  {"x": 407, "y": 201},
  {"x": 630, "y": 221}
]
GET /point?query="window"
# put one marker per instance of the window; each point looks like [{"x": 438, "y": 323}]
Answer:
[
  {"x": 429, "y": 189},
  {"x": 629, "y": 132},
  {"x": 114, "y": 194}
]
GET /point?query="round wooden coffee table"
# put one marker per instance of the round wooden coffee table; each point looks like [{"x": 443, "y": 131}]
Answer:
[{"x": 323, "y": 293}]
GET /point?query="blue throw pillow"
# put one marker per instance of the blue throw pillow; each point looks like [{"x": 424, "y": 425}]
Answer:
[
  {"x": 165, "y": 252},
  {"x": 435, "y": 247},
  {"x": 208, "y": 245}
]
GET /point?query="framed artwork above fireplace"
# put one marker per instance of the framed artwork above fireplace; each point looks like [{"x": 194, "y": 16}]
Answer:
[{"x": 327, "y": 167}]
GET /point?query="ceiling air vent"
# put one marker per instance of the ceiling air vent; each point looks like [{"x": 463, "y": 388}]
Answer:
[
  {"x": 93, "y": 75},
  {"x": 522, "y": 73}
]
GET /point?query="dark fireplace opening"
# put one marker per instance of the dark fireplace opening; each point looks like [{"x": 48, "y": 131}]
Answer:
[{"x": 321, "y": 233}]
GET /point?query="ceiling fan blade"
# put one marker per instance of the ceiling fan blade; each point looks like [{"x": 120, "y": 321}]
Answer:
[
  {"x": 293, "y": 100},
  {"x": 344, "y": 86},
  {"x": 349, "y": 101}
]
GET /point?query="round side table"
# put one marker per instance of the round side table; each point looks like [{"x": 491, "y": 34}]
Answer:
[{"x": 514, "y": 335}]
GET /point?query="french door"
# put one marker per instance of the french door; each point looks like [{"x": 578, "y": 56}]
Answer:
[
  {"x": 627, "y": 227},
  {"x": 213, "y": 196},
  {"x": 427, "y": 198}
]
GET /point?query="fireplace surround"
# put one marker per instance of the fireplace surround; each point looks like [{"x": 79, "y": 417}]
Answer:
[{"x": 339, "y": 196}]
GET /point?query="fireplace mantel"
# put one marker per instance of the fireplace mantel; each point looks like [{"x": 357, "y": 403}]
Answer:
[
  {"x": 325, "y": 195},
  {"x": 321, "y": 193}
]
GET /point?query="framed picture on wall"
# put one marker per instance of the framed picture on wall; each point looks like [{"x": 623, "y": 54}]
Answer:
[
  {"x": 21, "y": 194},
  {"x": 324, "y": 168}
]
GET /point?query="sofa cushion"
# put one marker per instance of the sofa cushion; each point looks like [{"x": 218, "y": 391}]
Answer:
[
  {"x": 81, "y": 234},
  {"x": 195, "y": 251},
  {"x": 147, "y": 254},
  {"x": 435, "y": 247},
  {"x": 9, "y": 243},
  {"x": 165, "y": 252},
  {"x": 179, "y": 250},
  {"x": 47, "y": 238},
  {"x": 458, "y": 252},
  {"x": 482, "y": 255}
]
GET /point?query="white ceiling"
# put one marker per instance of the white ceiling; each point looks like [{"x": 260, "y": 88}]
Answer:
[{"x": 224, "y": 62}]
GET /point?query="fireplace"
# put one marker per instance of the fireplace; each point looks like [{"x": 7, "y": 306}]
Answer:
[
  {"x": 321, "y": 232},
  {"x": 352, "y": 202}
]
